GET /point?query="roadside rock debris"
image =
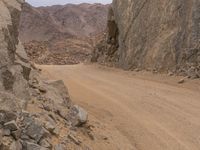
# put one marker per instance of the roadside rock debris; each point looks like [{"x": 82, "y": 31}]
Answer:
[{"x": 29, "y": 104}]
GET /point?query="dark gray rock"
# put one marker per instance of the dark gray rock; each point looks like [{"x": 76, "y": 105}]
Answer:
[
  {"x": 36, "y": 131},
  {"x": 77, "y": 116},
  {"x": 33, "y": 129},
  {"x": 181, "y": 81},
  {"x": 74, "y": 139}
]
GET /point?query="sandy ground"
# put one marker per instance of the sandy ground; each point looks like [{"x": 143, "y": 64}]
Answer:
[{"x": 143, "y": 111}]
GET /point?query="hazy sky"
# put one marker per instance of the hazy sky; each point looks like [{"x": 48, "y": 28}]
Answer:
[{"x": 54, "y": 2}]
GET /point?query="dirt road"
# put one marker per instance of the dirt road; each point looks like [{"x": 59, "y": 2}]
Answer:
[{"x": 151, "y": 112}]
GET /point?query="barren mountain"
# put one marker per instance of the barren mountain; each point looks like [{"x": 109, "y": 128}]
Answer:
[
  {"x": 61, "y": 34},
  {"x": 58, "y": 22}
]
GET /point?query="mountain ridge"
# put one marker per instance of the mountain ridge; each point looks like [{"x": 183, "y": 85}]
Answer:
[{"x": 62, "y": 21}]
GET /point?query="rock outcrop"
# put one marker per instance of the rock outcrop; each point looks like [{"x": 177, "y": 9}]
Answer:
[
  {"x": 154, "y": 35},
  {"x": 33, "y": 111},
  {"x": 14, "y": 66}
]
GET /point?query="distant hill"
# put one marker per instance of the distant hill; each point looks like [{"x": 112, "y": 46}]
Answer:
[{"x": 58, "y": 22}]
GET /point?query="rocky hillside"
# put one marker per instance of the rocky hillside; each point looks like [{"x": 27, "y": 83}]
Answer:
[
  {"x": 67, "y": 51},
  {"x": 61, "y": 34},
  {"x": 59, "y": 22},
  {"x": 153, "y": 35},
  {"x": 35, "y": 114}
]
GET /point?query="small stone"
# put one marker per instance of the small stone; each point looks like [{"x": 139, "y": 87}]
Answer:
[
  {"x": 59, "y": 147},
  {"x": 77, "y": 116},
  {"x": 36, "y": 131},
  {"x": 86, "y": 148},
  {"x": 52, "y": 116},
  {"x": 170, "y": 74},
  {"x": 74, "y": 139},
  {"x": 42, "y": 89},
  {"x": 46, "y": 107},
  {"x": 56, "y": 131},
  {"x": 24, "y": 137},
  {"x": 16, "y": 134},
  {"x": 6, "y": 142},
  {"x": 181, "y": 81},
  {"x": 6, "y": 116},
  {"x": 11, "y": 125},
  {"x": 16, "y": 145},
  {"x": 33, "y": 146},
  {"x": 1, "y": 137},
  {"x": 50, "y": 119},
  {"x": 50, "y": 127},
  {"x": 137, "y": 70},
  {"x": 45, "y": 143},
  {"x": 6, "y": 132}
]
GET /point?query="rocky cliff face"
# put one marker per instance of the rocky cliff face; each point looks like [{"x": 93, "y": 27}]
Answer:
[
  {"x": 14, "y": 67},
  {"x": 156, "y": 35}
]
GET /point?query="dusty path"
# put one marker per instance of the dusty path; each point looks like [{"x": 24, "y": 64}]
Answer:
[{"x": 150, "y": 112}]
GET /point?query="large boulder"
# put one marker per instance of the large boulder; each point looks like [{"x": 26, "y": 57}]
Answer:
[{"x": 77, "y": 116}]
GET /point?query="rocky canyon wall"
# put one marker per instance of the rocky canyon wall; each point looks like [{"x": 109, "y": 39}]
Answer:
[
  {"x": 26, "y": 99},
  {"x": 155, "y": 35},
  {"x": 14, "y": 66}
]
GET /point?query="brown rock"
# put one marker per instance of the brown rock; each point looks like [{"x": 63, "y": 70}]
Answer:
[
  {"x": 16, "y": 134},
  {"x": 141, "y": 35},
  {"x": 16, "y": 145},
  {"x": 59, "y": 147},
  {"x": 6, "y": 132},
  {"x": 181, "y": 81},
  {"x": 77, "y": 116},
  {"x": 74, "y": 139}
]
